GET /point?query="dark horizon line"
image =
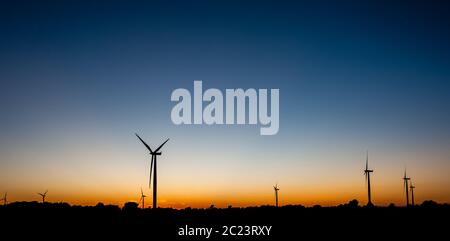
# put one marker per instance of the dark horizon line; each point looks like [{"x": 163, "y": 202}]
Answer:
[{"x": 351, "y": 204}]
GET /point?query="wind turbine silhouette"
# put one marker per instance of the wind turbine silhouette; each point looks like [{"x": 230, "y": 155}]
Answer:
[
  {"x": 43, "y": 195},
  {"x": 153, "y": 167},
  {"x": 276, "y": 194},
  {"x": 411, "y": 186},
  {"x": 4, "y": 199},
  {"x": 405, "y": 182},
  {"x": 142, "y": 198},
  {"x": 367, "y": 174}
]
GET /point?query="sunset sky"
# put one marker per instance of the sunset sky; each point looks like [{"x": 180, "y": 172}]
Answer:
[{"x": 78, "y": 79}]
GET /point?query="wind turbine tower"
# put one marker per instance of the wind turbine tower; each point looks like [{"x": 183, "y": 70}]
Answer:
[
  {"x": 276, "y": 194},
  {"x": 367, "y": 172},
  {"x": 154, "y": 154},
  {"x": 142, "y": 198},
  {"x": 43, "y": 195},
  {"x": 405, "y": 182},
  {"x": 411, "y": 186}
]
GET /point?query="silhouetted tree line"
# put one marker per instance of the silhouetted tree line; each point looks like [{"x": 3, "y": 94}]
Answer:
[
  {"x": 134, "y": 207},
  {"x": 342, "y": 221}
]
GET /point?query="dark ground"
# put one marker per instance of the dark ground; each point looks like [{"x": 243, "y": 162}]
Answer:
[{"x": 62, "y": 221}]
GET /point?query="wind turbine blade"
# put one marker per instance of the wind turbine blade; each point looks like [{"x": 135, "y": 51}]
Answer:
[
  {"x": 367, "y": 160},
  {"x": 151, "y": 171},
  {"x": 45, "y": 193},
  {"x": 142, "y": 193},
  {"x": 143, "y": 142},
  {"x": 157, "y": 149}
]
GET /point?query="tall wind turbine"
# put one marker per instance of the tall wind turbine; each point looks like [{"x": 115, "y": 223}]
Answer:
[
  {"x": 411, "y": 186},
  {"x": 367, "y": 174},
  {"x": 43, "y": 195},
  {"x": 4, "y": 199},
  {"x": 142, "y": 198},
  {"x": 405, "y": 182},
  {"x": 276, "y": 194},
  {"x": 153, "y": 166}
]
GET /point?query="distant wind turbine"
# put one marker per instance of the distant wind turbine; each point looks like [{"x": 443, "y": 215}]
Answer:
[
  {"x": 367, "y": 174},
  {"x": 405, "y": 182},
  {"x": 4, "y": 199},
  {"x": 153, "y": 167},
  {"x": 142, "y": 198},
  {"x": 411, "y": 186},
  {"x": 276, "y": 194},
  {"x": 43, "y": 195}
]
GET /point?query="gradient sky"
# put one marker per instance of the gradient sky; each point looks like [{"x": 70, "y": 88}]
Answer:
[{"x": 79, "y": 78}]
